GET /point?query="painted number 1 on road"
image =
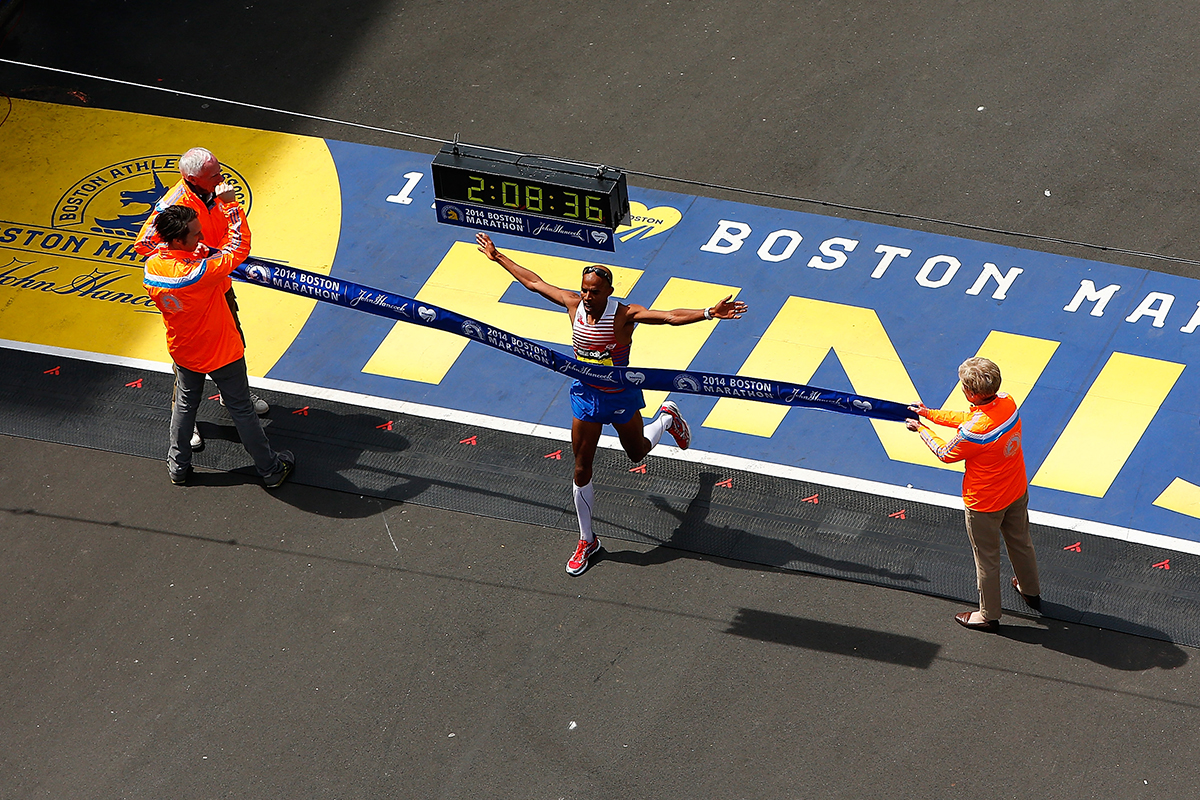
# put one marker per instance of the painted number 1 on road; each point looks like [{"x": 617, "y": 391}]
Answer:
[{"x": 403, "y": 196}]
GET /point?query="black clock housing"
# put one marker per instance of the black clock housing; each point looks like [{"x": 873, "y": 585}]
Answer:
[{"x": 545, "y": 187}]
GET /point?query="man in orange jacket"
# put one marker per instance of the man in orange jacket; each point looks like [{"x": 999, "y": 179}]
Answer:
[
  {"x": 995, "y": 489},
  {"x": 186, "y": 280},
  {"x": 201, "y": 187}
]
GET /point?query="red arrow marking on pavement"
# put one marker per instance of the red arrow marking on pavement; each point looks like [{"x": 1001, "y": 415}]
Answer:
[
  {"x": 898, "y": 515},
  {"x": 387, "y": 426},
  {"x": 302, "y": 411},
  {"x": 556, "y": 455},
  {"x": 727, "y": 483},
  {"x": 1075, "y": 548},
  {"x": 812, "y": 500},
  {"x": 51, "y": 371},
  {"x": 640, "y": 469},
  {"x": 1164, "y": 564},
  {"x": 135, "y": 384},
  {"x": 471, "y": 440}
]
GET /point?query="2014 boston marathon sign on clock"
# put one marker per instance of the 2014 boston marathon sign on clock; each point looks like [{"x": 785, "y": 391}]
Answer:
[{"x": 531, "y": 196}]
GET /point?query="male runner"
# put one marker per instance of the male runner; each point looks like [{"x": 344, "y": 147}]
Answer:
[{"x": 602, "y": 332}]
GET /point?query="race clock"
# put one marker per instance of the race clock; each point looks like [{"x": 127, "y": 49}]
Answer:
[{"x": 531, "y": 185}]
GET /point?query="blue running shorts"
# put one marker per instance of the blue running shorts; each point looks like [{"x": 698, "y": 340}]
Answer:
[{"x": 608, "y": 408}]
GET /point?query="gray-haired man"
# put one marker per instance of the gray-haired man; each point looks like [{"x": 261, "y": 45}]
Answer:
[{"x": 200, "y": 186}]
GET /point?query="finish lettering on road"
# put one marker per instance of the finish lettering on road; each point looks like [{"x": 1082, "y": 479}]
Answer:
[
  {"x": 674, "y": 346},
  {"x": 1122, "y": 401}
]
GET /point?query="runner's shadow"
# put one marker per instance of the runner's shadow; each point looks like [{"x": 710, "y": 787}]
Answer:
[
  {"x": 695, "y": 537},
  {"x": 1112, "y": 642}
]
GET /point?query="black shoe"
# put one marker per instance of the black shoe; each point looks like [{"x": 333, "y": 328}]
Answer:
[
  {"x": 276, "y": 479},
  {"x": 181, "y": 478},
  {"x": 1034, "y": 601}
]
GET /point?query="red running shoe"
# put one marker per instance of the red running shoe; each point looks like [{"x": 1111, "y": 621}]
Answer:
[
  {"x": 678, "y": 428},
  {"x": 579, "y": 561}
]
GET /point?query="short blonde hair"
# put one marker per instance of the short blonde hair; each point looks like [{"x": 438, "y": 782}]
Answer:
[{"x": 980, "y": 376}]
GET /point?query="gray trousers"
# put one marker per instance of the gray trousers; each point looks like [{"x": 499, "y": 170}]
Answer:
[{"x": 231, "y": 381}]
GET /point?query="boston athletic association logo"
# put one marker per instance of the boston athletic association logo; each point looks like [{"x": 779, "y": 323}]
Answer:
[
  {"x": 259, "y": 273},
  {"x": 87, "y": 251},
  {"x": 686, "y": 383},
  {"x": 473, "y": 329},
  {"x": 116, "y": 200}
]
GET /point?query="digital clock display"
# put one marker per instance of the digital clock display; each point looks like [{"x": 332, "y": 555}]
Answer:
[
  {"x": 530, "y": 185},
  {"x": 527, "y": 196}
]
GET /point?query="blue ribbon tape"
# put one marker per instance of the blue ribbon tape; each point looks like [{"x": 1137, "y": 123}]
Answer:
[{"x": 406, "y": 309}]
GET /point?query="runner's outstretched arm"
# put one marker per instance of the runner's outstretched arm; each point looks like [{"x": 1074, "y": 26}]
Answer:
[
  {"x": 724, "y": 309},
  {"x": 526, "y": 277}
]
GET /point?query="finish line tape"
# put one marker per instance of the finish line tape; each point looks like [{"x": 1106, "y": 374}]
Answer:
[{"x": 405, "y": 309}]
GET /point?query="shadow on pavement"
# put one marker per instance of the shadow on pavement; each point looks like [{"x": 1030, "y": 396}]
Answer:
[
  {"x": 695, "y": 537},
  {"x": 1116, "y": 645},
  {"x": 829, "y": 637}
]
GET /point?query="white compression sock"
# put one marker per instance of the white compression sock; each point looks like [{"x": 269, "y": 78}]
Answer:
[
  {"x": 584, "y": 498},
  {"x": 655, "y": 429}
]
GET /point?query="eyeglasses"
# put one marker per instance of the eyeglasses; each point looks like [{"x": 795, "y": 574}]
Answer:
[{"x": 601, "y": 271}]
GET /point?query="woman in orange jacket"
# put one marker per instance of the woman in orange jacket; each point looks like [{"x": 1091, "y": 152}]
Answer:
[{"x": 995, "y": 489}]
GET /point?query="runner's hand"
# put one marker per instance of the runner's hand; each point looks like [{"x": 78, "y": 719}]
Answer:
[
  {"x": 487, "y": 247},
  {"x": 225, "y": 193},
  {"x": 729, "y": 310}
]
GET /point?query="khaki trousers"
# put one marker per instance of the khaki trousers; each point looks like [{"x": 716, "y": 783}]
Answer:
[{"x": 984, "y": 530}]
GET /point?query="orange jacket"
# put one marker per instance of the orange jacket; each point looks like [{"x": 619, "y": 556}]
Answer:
[
  {"x": 213, "y": 223},
  {"x": 189, "y": 290},
  {"x": 989, "y": 440}
]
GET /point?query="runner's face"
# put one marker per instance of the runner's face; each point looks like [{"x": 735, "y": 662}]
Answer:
[{"x": 595, "y": 292}]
